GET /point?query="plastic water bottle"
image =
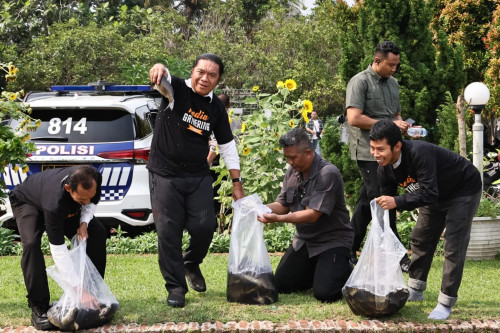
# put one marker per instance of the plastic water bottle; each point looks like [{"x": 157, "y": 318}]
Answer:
[{"x": 416, "y": 131}]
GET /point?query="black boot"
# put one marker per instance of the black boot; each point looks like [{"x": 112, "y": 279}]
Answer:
[
  {"x": 176, "y": 299},
  {"x": 39, "y": 319},
  {"x": 194, "y": 277}
]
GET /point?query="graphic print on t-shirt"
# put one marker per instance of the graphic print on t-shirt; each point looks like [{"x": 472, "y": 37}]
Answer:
[
  {"x": 410, "y": 184},
  {"x": 197, "y": 121}
]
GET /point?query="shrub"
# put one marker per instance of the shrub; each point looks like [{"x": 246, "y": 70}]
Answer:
[
  {"x": 8, "y": 242},
  {"x": 338, "y": 154}
]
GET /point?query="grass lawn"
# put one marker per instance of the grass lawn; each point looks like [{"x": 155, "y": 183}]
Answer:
[{"x": 137, "y": 283}]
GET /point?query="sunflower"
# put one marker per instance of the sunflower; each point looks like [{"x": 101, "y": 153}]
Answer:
[
  {"x": 308, "y": 106},
  {"x": 280, "y": 85},
  {"x": 304, "y": 115},
  {"x": 12, "y": 97},
  {"x": 291, "y": 123},
  {"x": 10, "y": 77},
  {"x": 246, "y": 151},
  {"x": 255, "y": 88},
  {"x": 26, "y": 137},
  {"x": 13, "y": 69},
  {"x": 243, "y": 127},
  {"x": 290, "y": 84},
  {"x": 16, "y": 168},
  {"x": 25, "y": 169},
  {"x": 230, "y": 119}
]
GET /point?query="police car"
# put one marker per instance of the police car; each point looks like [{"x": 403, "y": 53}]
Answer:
[{"x": 105, "y": 125}]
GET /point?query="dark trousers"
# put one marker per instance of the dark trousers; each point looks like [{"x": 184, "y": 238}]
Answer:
[
  {"x": 31, "y": 225},
  {"x": 456, "y": 216},
  {"x": 326, "y": 272},
  {"x": 178, "y": 204},
  {"x": 368, "y": 191}
]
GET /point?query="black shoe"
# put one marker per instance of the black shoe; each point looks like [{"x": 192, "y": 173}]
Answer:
[
  {"x": 39, "y": 319},
  {"x": 176, "y": 299},
  {"x": 353, "y": 258},
  {"x": 405, "y": 264},
  {"x": 195, "y": 278}
]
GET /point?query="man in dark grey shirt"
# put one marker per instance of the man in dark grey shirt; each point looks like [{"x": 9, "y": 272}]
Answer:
[{"x": 313, "y": 191}]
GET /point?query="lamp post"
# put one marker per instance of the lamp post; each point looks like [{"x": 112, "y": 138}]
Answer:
[{"x": 477, "y": 95}]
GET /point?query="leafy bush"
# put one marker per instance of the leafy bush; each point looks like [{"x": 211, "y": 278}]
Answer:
[
  {"x": 13, "y": 143},
  {"x": 405, "y": 225},
  {"x": 279, "y": 238},
  {"x": 8, "y": 242},
  {"x": 338, "y": 154},
  {"x": 489, "y": 206}
]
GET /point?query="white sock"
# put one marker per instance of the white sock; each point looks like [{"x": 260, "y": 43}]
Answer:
[
  {"x": 440, "y": 312},
  {"x": 415, "y": 295}
]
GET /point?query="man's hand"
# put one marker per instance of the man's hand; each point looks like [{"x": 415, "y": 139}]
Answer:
[
  {"x": 156, "y": 72},
  {"x": 403, "y": 125},
  {"x": 82, "y": 231},
  {"x": 386, "y": 202},
  {"x": 268, "y": 218},
  {"x": 238, "y": 192}
]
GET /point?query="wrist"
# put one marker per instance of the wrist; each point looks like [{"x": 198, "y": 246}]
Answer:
[{"x": 237, "y": 180}]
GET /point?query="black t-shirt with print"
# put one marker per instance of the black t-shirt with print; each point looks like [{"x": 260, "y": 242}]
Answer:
[
  {"x": 429, "y": 173},
  {"x": 180, "y": 138}
]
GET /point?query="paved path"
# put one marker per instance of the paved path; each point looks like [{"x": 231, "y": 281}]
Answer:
[{"x": 451, "y": 326}]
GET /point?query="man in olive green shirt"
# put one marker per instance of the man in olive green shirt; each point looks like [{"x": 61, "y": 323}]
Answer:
[{"x": 371, "y": 95}]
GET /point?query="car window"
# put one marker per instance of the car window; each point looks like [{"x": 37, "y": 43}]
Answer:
[
  {"x": 144, "y": 121},
  {"x": 82, "y": 125}
]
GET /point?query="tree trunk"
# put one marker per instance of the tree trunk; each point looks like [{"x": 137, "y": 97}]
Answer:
[{"x": 462, "y": 142}]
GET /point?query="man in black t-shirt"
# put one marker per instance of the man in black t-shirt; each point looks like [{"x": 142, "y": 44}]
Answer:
[
  {"x": 179, "y": 175},
  {"x": 446, "y": 187},
  {"x": 61, "y": 202},
  {"x": 312, "y": 198}
]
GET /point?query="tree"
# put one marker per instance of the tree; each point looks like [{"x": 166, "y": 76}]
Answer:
[
  {"x": 73, "y": 55},
  {"x": 466, "y": 23}
]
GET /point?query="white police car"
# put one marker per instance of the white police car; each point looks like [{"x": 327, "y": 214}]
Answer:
[{"x": 105, "y": 125}]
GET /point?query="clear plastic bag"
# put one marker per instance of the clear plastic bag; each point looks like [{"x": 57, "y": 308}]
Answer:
[
  {"x": 376, "y": 286},
  {"x": 69, "y": 313},
  {"x": 250, "y": 277}
]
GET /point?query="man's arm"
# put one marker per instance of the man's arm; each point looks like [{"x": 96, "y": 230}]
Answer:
[
  {"x": 356, "y": 118},
  {"x": 280, "y": 214}
]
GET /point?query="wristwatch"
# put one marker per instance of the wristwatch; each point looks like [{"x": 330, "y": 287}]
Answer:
[{"x": 238, "y": 180}]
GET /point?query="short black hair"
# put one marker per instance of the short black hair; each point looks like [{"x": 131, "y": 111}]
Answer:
[
  {"x": 85, "y": 175},
  {"x": 386, "y": 129},
  {"x": 212, "y": 57},
  {"x": 224, "y": 98},
  {"x": 296, "y": 137},
  {"x": 386, "y": 47}
]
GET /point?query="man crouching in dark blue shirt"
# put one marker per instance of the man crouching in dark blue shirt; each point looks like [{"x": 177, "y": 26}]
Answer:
[{"x": 446, "y": 187}]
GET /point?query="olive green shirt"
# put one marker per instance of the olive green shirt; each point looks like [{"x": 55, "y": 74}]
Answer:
[{"x": 378, "y": 98}]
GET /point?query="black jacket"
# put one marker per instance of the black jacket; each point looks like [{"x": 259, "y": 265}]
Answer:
[{"x": 429, "y": 173}]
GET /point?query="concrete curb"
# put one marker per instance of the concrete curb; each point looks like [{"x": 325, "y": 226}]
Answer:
[{"x": 448, "y": 326}]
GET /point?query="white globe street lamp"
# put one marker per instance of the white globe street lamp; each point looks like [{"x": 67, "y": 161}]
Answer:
[{"x": 477, "y": 95}]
